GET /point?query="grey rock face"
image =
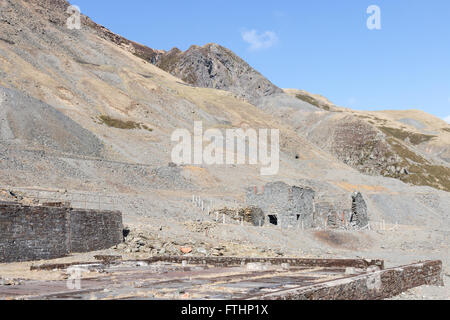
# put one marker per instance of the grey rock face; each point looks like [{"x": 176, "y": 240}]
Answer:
[{"x": 213, "y": 66}]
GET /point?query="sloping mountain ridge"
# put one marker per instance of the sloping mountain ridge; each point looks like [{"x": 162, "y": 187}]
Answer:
[
  {"x": 104, "y": 80},
  {"x": 409, "y": 145},
  {"x": 369, "y": 144},
  {"x": 361, "y": 140}
]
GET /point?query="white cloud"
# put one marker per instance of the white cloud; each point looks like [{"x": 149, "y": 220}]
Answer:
[
  {"x": 258, "y": 41},
  {"x": 447, "y": 119}
]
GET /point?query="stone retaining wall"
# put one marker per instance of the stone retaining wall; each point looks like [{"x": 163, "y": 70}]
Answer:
[
  {"x": 38, "y": 233},
  {"x": 374, "y": 285}
]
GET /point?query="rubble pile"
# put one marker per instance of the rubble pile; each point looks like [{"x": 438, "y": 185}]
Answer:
[
  {"x": 145, "y": 244},
  {"x": 251, "y": 214}
]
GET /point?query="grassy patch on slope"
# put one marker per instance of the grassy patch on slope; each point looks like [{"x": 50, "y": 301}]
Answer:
[
  {"x": 312, "y": 101},
  {"x": 414, "y": 138},
  {"x": 120, "y": 124},
  {"x": 420, "y": 171}
]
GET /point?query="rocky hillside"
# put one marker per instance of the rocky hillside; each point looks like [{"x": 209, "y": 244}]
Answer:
[
  {"x": 410, "y": 145},
  {"x": 86, "y": 117},
  {"x": 24, "y": 118},
  {"x": 110, "y": 113},
  {"x": 90, "y": 84}
]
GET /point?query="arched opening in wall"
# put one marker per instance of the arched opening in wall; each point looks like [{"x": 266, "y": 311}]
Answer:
[
  {"x": 125, "y": 233},
  {"x": 273, "y": 219}
]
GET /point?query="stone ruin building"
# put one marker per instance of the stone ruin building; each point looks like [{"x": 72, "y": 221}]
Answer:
[
  {"x": 292, "y": 206},
  {"x": 284, "y": 205}
]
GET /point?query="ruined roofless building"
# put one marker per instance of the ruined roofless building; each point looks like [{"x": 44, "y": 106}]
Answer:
[
  {"x": 284, "y": 205},
  {"x": 291, "y": 206}
]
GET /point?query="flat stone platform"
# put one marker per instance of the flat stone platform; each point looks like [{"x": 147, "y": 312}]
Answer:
[{"x": 222, "y": 278}]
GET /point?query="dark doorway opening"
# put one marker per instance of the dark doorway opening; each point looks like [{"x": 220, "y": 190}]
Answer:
[{"x": 273, "y": 219}]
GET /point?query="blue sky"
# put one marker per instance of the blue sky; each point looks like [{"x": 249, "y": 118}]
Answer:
[{"x": 322, "y": 46}]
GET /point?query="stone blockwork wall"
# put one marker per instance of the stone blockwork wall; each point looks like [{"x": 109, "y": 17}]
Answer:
[
  {"x": 373, "y": 285},
  {"x": 32, "y": 233},
  {"x": 292, "y": 206},
  {"x": 329, "y": 216},
  {"x": 359, "y": 217},
  {"x": 92, "y": 230},
  {"x": 36, "y": 233}
]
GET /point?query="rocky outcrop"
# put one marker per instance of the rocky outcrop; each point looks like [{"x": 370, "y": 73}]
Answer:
[
  {"x": 361, "y": 146},
  {"x": 213, "y": 66}
]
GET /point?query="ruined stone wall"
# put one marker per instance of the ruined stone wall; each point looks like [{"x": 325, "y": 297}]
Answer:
[
  {"x": 252, "y": 215},
  {"x": 329, "y": 216},
  {"x": 292, "y": 206},
  {"x": 359, "y": 217},
  {"x": 303, "y": 206},
  {"x": 37, "y": 233}
]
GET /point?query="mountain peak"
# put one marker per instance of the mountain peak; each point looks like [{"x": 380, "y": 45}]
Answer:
[{"x": 214, "y": 66}]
